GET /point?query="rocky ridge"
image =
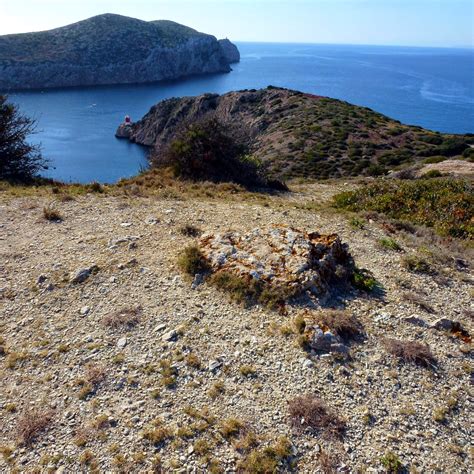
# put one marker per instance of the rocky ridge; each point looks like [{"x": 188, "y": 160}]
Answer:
[
  {"x": 109, "y": 49},
  {"x": 303, "y": 135}
]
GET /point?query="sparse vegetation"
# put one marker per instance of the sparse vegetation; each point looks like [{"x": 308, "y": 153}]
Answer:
[
  {"x": 231, "y": 428},
  {"x": 311, "y": 413},
  {"x": 446, "y": 204},
  {"x": 266, "y": 460}
]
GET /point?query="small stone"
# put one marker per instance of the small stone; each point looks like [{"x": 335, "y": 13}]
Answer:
[
  {"x": 214, "y": 365},
  {"x": 308, "y": 364},
  {"x": 126, "y": 224},
  {"x": 81, "y": 275},
  {"x": 161, "y": 327},
  {"x": 415, "y": 320},
  {"x": 84, "y": 310},
  {"x": 169, "y": 336},
  {"x": 122, "y": 342},
  {"x": 151, "y": 221}
]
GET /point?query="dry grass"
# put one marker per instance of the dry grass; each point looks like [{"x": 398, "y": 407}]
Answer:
[
  {"x": 51, "y": 214},
  {"x": 410, "y": 352},
  {"x": 341, "y": 323},
  {"x": 32, "y": 423},
  {"x": 190, "y": 231},
  {"x": 310, "y": 412},
  {"x": 125, "y": 318},
  {"x": 329, "y": 463}
]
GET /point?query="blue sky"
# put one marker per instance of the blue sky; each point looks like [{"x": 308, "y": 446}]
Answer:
[{"x": 397, "y": 22}]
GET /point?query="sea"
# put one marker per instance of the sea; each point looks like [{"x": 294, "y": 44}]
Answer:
[{"x": 430, "y": 87}]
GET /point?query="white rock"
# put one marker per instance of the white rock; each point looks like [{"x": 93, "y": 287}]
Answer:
[{"x": 122, "y": 342}]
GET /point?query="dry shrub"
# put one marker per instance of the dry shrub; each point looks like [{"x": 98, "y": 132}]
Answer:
[
  {"x": 310, "y": 412},
  {"x": 124, "y": 318},
  {"x": 190, "y": 231},
  {"x": 51, "y": 214},
  {"x": 329, "y": 463},
  {"x": 32, "y": 423},
  {"x": 411, "y": 352},
  {"x": 95, "y": 374},
  {"x": 341, "y": 323}
]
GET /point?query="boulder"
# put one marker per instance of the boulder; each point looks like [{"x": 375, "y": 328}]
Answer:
[{"x": 281, "y": 257}]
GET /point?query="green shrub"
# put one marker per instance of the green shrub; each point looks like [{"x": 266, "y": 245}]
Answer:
[
  {"x": 206, "y": 150},
  {"x": 364, "y": 280},
  {"x": 389, "y": 244},
  {"x": 432, "y": 174},
  {"x": 192, "y": 261},
  {"x": 391, "y": 462}
]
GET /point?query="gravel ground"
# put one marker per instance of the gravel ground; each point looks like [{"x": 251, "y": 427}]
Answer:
[{"x": 99, "y": 387}]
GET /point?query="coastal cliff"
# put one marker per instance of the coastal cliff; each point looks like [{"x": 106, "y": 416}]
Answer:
[
  {"x": 110, "y": 49},
  {"x": 303, "y": 135}
]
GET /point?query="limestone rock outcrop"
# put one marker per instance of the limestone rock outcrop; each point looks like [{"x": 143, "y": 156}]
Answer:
[{"x": 280, "y": 256}]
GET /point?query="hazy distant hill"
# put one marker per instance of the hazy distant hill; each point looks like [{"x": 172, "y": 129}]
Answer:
[
  {"x": 107, "y": 49},
  {"x": 305, "y": 135}
]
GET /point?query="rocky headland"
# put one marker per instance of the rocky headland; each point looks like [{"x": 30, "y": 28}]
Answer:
[
  {"x": 303, "y": 135},
  {"x": 110, "y": 49}
]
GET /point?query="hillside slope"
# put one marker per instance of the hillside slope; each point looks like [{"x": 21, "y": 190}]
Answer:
[
  {"x": 107, "y": 49},
  {"x": 299, "y": 134}
]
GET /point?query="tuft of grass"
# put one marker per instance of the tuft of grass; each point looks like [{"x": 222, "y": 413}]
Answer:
[
  {"x": 248, "y": 370},
  {"x": 390, "y": 244},
  {"x": 32, "y": 423},
  {"x": 446, "y": 204},
  {"x": 266, "y": 460},
  {"x": 157, "y": 434},
  {"x": 299, "y": 324},
  {"x": 192, "y": 261},
  {"x": 51, "y": 214},
  {"x": 231, "y": 428},
  {"x": 192, "y": 360},
  {"x": 217, "y": 389},
  {"x": 168, "y": 373},
  {"x": 410, "y": 352},
  {"x": 310, "y": 412},
  {"x": 391, "y": 462}
]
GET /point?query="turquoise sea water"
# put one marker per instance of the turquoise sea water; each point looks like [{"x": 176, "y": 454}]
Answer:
[{"x": 433, "y": 88}]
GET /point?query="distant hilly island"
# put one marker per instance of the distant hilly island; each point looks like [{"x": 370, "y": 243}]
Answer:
[
  {"x": 303, "y": 135},
  {"x": 110, "y": 49}
]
